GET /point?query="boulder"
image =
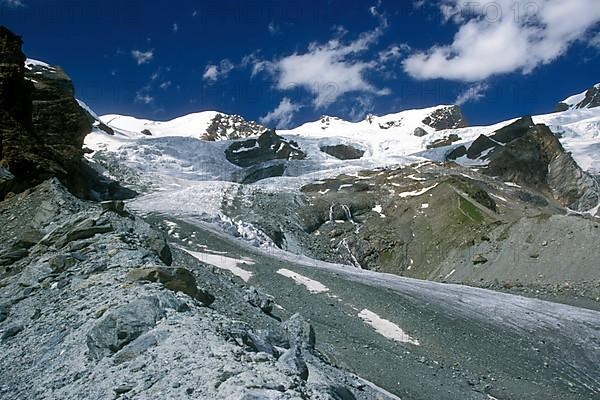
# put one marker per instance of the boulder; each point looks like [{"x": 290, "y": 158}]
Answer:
[
  {"x": 122, "y": 326},
  {"x": 343, "y": 152},
  {"x": 146, "y": 132},
  {"x": 420, "y": 132},
  {"x": 300, "y": 332},
  {"x": 259, "y": 299},
  {"x": 158, "y": 243},
  {"x": 292, "y": 363},
  {"x": 174, "y": 279}
]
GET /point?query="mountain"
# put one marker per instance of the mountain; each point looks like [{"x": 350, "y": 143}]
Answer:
[
  {"x": 588, "y": 99},
  {"x": 404, "y": 256}
]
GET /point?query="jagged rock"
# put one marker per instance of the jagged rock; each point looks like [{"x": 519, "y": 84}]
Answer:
[
  {"x": 343, "y": 152},
  {"x": 269, "y": 146},
  {"x": 122, "y": 326},
  {"x": 259, "y": 299},
  {"x": 116, "y": 206},
  {"x": 12, "y": 255},
  {"x": 478, "y": 259},
  {"x": 446, "y": 118},
  {"x": 420, "y": 132},
  {"x": 300, "y": 332},
  {"x": 139, "y": 346},
  {"x": 42, "y": 127},
  {"x": 479, "y": 146},
  {"x": 537, "y": 159},
  {"x": 445, "y": 141},
  {"x": 514, "y": 131},
  {"x": 175, "y": 279},
  {"x": 591, "y": 99},
  {"x": 158, "y": 243},
  {"x": 4, "y": 310},
  {"x": 85, "y": 229},
  {"x": 292, "y": 363},
  {"x": 227, "y": 127},
  {"x": 12, "y": 332},
  {"x": 146, "y": 132},
  {"x": 259, "y": 173},
  {"x": 458, "y": 152}
]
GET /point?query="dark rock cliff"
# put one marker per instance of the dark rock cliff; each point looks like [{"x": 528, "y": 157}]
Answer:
[{"x": 42, "y": 128}]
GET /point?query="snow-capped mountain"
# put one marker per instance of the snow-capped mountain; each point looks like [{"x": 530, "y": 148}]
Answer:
[{"x": 588, "y": 99}]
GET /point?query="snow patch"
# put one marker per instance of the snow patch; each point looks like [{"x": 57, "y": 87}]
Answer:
[
  {"x": 311, "y": 285},
  {"x": 386, "y": 328},
  {"x": 416, "y": 192},
  {"x": 225, "y": 263}
]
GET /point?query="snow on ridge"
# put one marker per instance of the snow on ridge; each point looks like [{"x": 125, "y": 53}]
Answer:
[{"x": 30, "y": 63}]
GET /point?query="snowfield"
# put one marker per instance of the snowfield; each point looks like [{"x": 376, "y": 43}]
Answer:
[{"x": 179, "y": 174}]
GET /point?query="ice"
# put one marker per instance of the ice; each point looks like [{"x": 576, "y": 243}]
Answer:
[{"x": 386, "y": 328}]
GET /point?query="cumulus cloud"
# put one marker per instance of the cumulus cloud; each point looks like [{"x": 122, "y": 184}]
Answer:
[
  {"x": 142, "y": 57},
  {"x": 281, "y": 117},
  {"x": 327, "y": 70},
  {"x": 503, "y": 36},
  {"x": 214, "y": 72},
  {"x": 473, "y": 94}
]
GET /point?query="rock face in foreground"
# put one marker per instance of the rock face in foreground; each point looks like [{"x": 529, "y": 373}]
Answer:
[
  {"x": 43, "y": 127},
  {"x": 88, "y": 309}
]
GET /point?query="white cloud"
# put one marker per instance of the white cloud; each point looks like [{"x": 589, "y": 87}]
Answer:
[
  {"x": 282, "y": 115},
  {"x": 142, "y": 57},
  {"x": 213, "y": 73},
  {"x": 327, "y": 70},
  {"x": 504, "y": 36},
  {"x": 13, "y": 3},
  {"x": 165, "y": 85},
  {"x": 273, "y": 29},
  {"x": 175, "y": 28},
  {"x": 473, "y": 94},
  {"x": 595, "y": 41},
  {"x": 143, "y": 97}
]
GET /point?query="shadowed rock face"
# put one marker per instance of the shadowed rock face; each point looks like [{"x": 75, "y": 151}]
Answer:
[
  {"x": 269, "y": 146},
  {"x": 42, "y": 128},
  {"x": 343, "y": 152}
]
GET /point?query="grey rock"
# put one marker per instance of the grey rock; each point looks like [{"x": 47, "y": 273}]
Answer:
[
  {"x": 175, "y": 279},
  {"x": 343, "y": 152},
  {"x": 420, "y": 132},
  {"x": 139, "y": 346},
  {"x": 123, "y": 325},
  {"x": 259, "y": 299},
  {"x": 292, "y": 363},
  {"x": 12, "y": 332},
  {"x": 478, "y": 259},
  {"x": 4, "y": 310},
  {"x": 301, "y": 334},
  {"x": 158, "y": 244}
]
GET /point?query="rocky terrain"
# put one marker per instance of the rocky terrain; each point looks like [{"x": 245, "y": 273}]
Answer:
[
  {"x": 336, "y": 260},
  {"x": 93, "y": 305}
]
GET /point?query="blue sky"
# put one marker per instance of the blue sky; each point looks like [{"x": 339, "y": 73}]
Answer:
[{"x": 285, "y": 63}]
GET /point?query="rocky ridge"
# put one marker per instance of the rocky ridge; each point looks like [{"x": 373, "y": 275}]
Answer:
[{"x": 92, "y": 307}]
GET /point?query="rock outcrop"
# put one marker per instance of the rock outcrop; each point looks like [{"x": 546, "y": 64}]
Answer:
[
  {"x": 101, "y": 316},
  {"x": 43, "y": 127},
  {"x": 446, "y": 118},
  {"x": 589, "y": 99},
  {"x": 227, "y": 127},
  {"x": 267, "y": 147},
  {"x": 343, "y": 152}
]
